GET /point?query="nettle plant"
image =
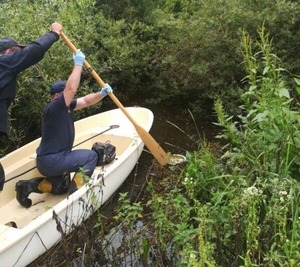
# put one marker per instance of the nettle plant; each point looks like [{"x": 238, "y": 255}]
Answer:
[
  {"x": 264, "y": 147},
  {"x": 252, "y": 189},
  {"x": 267, "y": 135}
]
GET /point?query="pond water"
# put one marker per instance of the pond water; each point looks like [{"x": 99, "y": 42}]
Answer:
[{"x": 177, "y": 132}]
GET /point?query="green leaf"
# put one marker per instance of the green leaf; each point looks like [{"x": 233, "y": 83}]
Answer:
[
  {"x": 284, "y": 92},
  {"x": 261, "y": 116},
  {"x": 253, "y": 71},
  {"x": 297, "y": 81},
  {"x": 266, "y": 69}
]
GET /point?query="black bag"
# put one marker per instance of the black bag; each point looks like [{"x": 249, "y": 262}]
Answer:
[{"x": 106, "y": 152}]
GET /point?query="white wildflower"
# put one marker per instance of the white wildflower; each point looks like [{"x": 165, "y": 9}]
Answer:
[
  {"x": 283, "y": 193},
  {"x": 192, "y": 255},
  {"x": 252, "y": 191},
  {"x": 188, "y": 180}
]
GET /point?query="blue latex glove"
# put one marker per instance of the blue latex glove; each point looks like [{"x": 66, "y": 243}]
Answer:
[
  {"x": 106, "y": 90},
  {"x": 78, "y": 58}
]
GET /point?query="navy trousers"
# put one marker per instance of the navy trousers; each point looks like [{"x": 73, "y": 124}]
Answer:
[{"x": 57, "y": 166}]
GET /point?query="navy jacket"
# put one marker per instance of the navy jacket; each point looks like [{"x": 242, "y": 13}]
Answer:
[
  {"x": 58, "y": 130},
  {"x": 13, "y": 63}
]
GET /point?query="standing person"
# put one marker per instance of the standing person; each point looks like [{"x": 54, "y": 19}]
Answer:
[
  {"x": 55, "y": 157},
  {"x": 14, "y": 58}
]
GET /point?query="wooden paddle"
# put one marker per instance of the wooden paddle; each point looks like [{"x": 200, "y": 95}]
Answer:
[{"x": 159, "y": 154}]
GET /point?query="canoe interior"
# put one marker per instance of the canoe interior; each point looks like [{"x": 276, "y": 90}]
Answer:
[
  {"x": 40, "y": 226},
  {"x": 11, "y": 210}
]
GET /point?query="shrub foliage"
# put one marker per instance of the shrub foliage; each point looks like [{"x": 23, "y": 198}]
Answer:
[
  {"x": 171, "y": 52},
  {"x": 239, "y": 207}
]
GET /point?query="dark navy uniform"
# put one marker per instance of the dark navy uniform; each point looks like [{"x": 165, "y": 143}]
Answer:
[
  {"x": 55, "y": 156},
  {"x": 12, "y": 64}
]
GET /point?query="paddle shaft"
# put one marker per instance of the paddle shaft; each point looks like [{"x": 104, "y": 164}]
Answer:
[{"x": 155, "y": 149}]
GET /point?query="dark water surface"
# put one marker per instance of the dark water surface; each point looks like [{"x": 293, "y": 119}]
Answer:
[{"x": 177, "y": 132}]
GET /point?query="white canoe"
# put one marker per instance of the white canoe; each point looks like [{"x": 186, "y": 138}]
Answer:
[{"x": 36, "y": 230}]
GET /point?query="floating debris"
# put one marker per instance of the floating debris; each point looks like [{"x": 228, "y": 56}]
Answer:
[{"x": 176, "y": 159}]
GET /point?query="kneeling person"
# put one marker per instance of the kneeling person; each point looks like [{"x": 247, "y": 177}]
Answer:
[{"x": 55, "y": 157}]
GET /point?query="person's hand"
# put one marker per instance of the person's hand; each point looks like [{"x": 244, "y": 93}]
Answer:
[
  {"x": 56, "y": 27},
  {"x": 78, "y": 58},
  {"x": 106, "y": 90}
]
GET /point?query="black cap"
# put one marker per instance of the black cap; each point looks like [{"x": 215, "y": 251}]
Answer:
[
  {"x": 9, "y": 42},
  {"x": 57, "y": 87}
]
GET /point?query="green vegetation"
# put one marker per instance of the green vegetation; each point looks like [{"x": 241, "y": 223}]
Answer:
[
  {"x": 249, "y": 194},
  {"x": 237, "y": 206},
  {"x": 179, "y": 53}
]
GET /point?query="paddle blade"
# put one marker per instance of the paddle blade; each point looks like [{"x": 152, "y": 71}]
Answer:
[
  {"x": 155, "y": 149},
  {"x": 159, "y": 154}
]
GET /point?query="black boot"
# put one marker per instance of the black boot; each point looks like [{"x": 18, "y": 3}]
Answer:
[
  {"x": 2, "y": 177},
  {"x": 35, "y": 185}
]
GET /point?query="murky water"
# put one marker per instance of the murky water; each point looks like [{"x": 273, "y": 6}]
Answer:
[{"x": 177, "y": 133}]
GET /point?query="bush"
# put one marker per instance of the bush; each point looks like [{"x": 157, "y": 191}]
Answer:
[{"x": 179, "y": 53}]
